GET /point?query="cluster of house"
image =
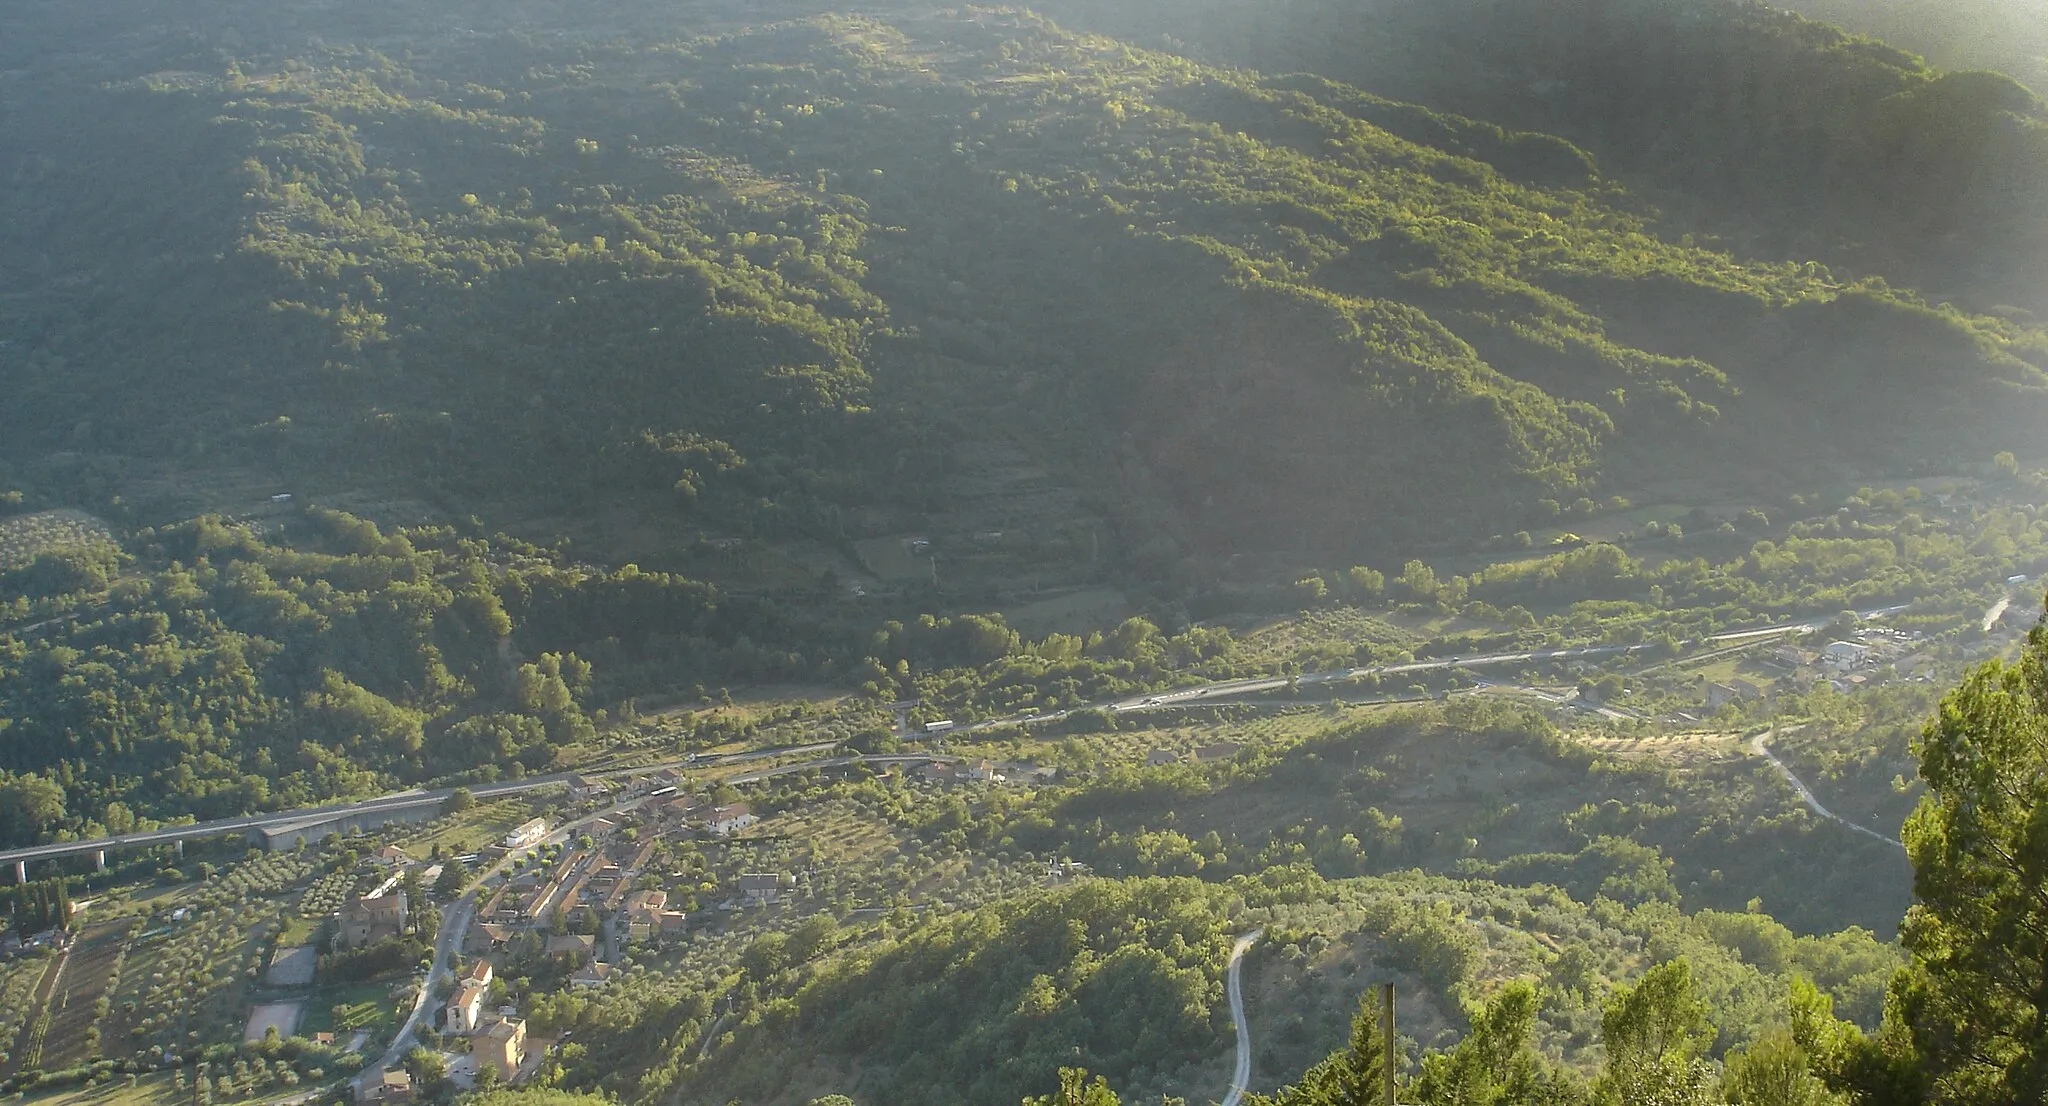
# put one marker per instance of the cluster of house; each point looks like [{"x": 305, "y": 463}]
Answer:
[
  {"x": 602, "y": 877},
  {"x": 1847, "y": 663},
  {"x": 648, "y": 914},
  {"x": 695, "y": 812},
  {"x": 497, "y": 1038}
]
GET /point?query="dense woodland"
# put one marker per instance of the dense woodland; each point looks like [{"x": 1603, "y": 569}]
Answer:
[
  {"x": 777, "y": 277},
  {"x": 221, "y": 673},
  {"x": 1840, "y": 148},
  {"x": 2003, "y": 35}
]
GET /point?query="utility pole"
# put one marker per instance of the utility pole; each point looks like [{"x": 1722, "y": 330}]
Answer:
[{"x": 1387, "y": 1013}]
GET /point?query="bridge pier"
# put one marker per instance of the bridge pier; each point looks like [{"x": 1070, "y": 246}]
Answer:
[
  {"x": 99, "y": 860},
  {"x": 21, "y": 871},
  {"x": 179, "y": 844}
]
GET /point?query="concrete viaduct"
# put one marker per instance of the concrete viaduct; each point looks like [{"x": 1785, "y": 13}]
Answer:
[{"x": 276, "y": 831}]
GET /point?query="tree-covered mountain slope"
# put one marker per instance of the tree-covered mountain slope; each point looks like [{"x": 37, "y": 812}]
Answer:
[
  {"x": 204, "y": 672},
  {"x": 2009, "y": 36},
  {"x": 781, "y": 277},
  {"x": 1744, "y": 120}
]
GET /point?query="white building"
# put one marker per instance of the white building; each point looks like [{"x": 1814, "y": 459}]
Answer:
[
  {"x": 1843, "y": 656},
  {"x": 766, "y": 887},
  {"x": 527, "y": 834},
  {"x": 730, "y": 819},
  {"x": 466, "y": 1007}
]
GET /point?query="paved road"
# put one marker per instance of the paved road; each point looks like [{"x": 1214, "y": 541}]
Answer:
[
  {"x": 454, "y": 924},
  {"x": 1759, "y": 746},
  {"x": 1224, "y": 689},
  {"x": 1220, "y": 690},
  {"x": 1243, "y": 1074}
]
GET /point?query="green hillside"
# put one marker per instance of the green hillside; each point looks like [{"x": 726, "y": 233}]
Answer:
[
  {"x": 1743, "y": 121},
  {"x": 781, "y": 279},
  {"x": 2009, "y": 36},
  {"x": 210, "y": 673},
  {"x": 1125, "y": 977}
]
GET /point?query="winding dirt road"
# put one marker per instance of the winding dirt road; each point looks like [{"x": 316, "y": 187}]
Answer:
[
  {"x": 1243, "y": 1074},
  {"x": 1759, "y": 746}
]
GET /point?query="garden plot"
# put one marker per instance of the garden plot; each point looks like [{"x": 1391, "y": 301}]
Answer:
[{"x": 78, "y": 999}]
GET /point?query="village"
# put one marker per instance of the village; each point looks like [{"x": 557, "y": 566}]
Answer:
[
  {"x": 401, "y": 961},
  {"x": 628, "y": 867}
]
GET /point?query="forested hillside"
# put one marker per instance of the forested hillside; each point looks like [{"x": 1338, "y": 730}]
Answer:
[
  {"x": 987, "y": 1004},
  {"x": 2010, "y": 36},
  {"x": 780, "y": 278},
  {"x": 1743, "y": 121},
  {"x": 203, "y": 672}
]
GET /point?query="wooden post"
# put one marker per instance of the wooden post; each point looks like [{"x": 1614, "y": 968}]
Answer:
[{"x": 1387, "y": 1064}]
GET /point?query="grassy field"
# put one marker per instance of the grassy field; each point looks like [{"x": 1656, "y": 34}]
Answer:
[
  {"x": 1334, "y": 631},
  {"x": 343, "y": 1007},
  {"x": 154, "y": 1089},
  {"x": 299, "y": 930},
  {"x": 1684, "y": 750},
  {"x": 891, "y": 559},
  {"x": 481, "y": 825},
  {"x": 840, "y": 832},
  {"x": 74, "y": 1036},
  {"x": 148, "y": 1090},
  {"x": 1075, "y": 612},
  {"x": 1126, "y": 746}
]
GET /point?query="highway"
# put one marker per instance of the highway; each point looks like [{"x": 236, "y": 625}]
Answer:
[
  {"x": 1223, "y": 689},
  {"x": 225, "y": 826},
  {"x": 400, "y": 800},
  {"x": 1240, "y": 1080}
]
